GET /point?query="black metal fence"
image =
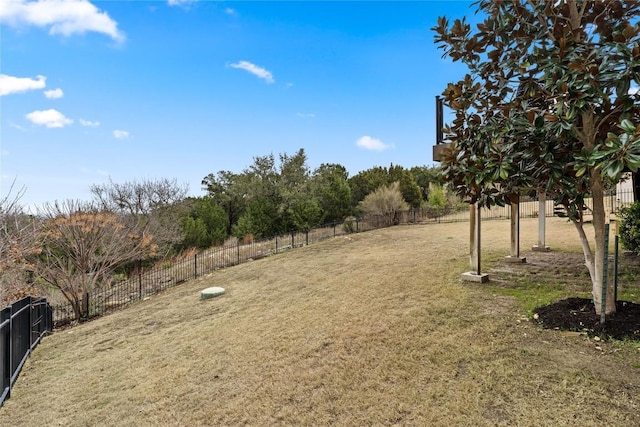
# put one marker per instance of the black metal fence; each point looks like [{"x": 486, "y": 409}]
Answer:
[{"x": 22, "y": 326}]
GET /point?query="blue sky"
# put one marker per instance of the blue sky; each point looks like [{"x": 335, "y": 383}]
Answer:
[{"x": 132, "y": 90}]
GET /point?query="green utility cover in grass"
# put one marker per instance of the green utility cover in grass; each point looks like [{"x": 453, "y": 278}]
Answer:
[{"x": 211, "y": 292}]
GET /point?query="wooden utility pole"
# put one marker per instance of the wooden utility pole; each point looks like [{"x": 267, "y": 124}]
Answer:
[
  {"x": 515, "y": 231},
  {"x": 475, "y": 275},
  {"x": 542, "y": 209}
]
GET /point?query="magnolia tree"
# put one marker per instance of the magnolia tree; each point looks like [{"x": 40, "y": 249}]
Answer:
[{"x": 550, "y": 103}]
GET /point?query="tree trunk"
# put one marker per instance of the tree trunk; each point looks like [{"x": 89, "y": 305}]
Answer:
[
  {"x": 76, "y": 304},
  {"x": 586, "y": 249},
  {"x": 595, "y": 263},
  {"x": 85, "y": 305}
]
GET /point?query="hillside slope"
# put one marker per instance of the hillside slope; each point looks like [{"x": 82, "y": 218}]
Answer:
[{"x": 371, "y": 329}]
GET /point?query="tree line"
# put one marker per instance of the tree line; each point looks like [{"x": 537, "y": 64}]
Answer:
[
  {"x": 75, "y": 247},
  {"x": 274, "y": 196}
]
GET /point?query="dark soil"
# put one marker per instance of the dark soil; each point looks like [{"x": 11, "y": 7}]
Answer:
[
  {"x": 578, "y": 314},
  {"x": 567, "y": 271}
]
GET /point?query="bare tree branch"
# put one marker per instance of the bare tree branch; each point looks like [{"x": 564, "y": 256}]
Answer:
[{"x": 82, "y": 244}]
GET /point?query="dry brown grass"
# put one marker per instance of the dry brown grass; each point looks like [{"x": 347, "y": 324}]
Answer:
[{"x": 371, "y": 329}]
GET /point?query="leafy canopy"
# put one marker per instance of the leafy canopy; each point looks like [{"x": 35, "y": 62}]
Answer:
[{"x": 550, "y": 100}]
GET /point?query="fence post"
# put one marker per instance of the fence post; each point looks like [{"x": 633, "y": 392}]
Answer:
[
  {"x": 30, "y": 320},
  {"x": 5, "y": 316},
  {"x": 276, "y": 242},
  {"x": 334, "y": 229},
  {"x": 307, "y": 237},
  {"x": 605, "y": 265},
  {"x": 140, "y": 279},
  {"x": 195, "y": 266},
  {"x": 615, "y": 268},
  {"x": 238, "y": 250},
  {"x": 49, "y": 309},
  {"x": 292, "y": 239}
]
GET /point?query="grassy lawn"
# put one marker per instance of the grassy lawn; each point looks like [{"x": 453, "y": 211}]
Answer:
[{"x": 371, "y": 329}]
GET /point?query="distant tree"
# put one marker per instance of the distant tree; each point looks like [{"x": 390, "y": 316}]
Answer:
[
  {"x": 331, "y": 189},
  {"x": 269, "y": 196},
  {"x": 408, "y": 186},
  {"x": 365, "y": 182},
  {"x": 18, "y": 246},
  {"x": 229, "y": 190},
  {"x": 154, "y": 205},
  {"x": 298, "y": 209},
  {"x": 250, "y": 198},
  {"x": 258, "y": 220},
  {"x": 394, "y": 173},
  {"x": 205, "y": 224},
  {"x": 547, "y": 104},
  {"x": 410, "y": 190},
  {"x": 81, "y": 244},
  {"x": 438, "y": 201},
  {"x": 385, "y": 201},
  {"x": 261, "y": 216},
  {"x": 424, "y": 176},
  {"x": 369, "y": 180}
]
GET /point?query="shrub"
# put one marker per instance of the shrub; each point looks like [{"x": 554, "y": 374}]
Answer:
[
  {"x": 438, "y": 203},
  {"x": 349, "y": 225},
  {"x": 386, "y": 201},
  {"x": 630, "y": 227}
]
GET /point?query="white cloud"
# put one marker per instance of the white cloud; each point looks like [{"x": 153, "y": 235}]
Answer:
[
  {"x": 180, "y": 2},
  {"x": 633, "y": 90},
  {"x": 17, "y": 126},
  {"x": 307, "y": 115},
  {"x": 369, "y": 143},
  {"x": 11, "y": 84},
  {"x": 255, "y": 70},
  {"x": 49, "y": 118},
  {"x": 54, "y": 93},
  {"x": 231, "y": 12},
  {"x": 88, "y": 123},
  {"x": 66, "y": 17},
  {"x": 120, "y": 134}
]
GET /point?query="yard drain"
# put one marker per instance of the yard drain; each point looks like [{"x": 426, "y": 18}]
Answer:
[{"x": 211, "y": 292}]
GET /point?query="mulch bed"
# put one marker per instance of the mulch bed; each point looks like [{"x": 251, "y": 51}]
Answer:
[{"x": 578, "y": 314}]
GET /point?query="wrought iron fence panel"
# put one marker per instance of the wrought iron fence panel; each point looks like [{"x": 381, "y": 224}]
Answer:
[{"x": 22, "y": 326}]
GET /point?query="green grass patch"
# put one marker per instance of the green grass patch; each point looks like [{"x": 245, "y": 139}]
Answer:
[{"x": 531, "y": 295}]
